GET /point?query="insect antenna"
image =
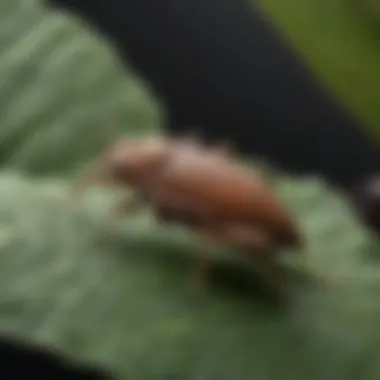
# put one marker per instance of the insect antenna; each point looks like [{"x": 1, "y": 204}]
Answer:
[
  {"x": 193, "y": 137},
  {"x": 263, "y": 168},
  {"x": 225, "y": 148},
  {"x": 95, "y": 176}
]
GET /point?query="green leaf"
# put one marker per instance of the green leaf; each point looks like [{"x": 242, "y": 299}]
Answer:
[
  {"x": 126, "y": 303},
  {"x": 339, "y": 43},
  {"x": 64, "y": 94}
]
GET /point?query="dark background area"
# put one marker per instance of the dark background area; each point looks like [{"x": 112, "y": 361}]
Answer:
[{"x": 219, "y": 66}]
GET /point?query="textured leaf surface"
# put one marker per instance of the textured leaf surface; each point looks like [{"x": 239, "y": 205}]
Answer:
[{"x": 126, "y": 303}]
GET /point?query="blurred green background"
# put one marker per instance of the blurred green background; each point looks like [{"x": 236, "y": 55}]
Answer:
[
  {"x": 339, "y": 40},
  {"x": 126, "y": 305}
]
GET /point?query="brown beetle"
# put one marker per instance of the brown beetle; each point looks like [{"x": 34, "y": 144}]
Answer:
[{"x": 206, "y": 190}]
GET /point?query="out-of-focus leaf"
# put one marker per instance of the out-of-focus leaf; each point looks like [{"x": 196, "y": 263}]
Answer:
[
  {"x": 63, "y": 91},
  {"x": 341, "y": 47}
]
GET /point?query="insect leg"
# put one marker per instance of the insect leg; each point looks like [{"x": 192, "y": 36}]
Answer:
[
  {"x": 241, "y": 235},
  {"x": 271, "y": 275},
  {"x": 200, "y": 274},
  {"x": 126, "y": 206},
  {"x": 204, "y": 265},
  {"x": 211, "y": 235},
  {"x": 96, "y": 176},
  {"x": 256, "y": 240},
  {"x": 250, "y": 237},
  {"x": 171, "y": 206}
]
